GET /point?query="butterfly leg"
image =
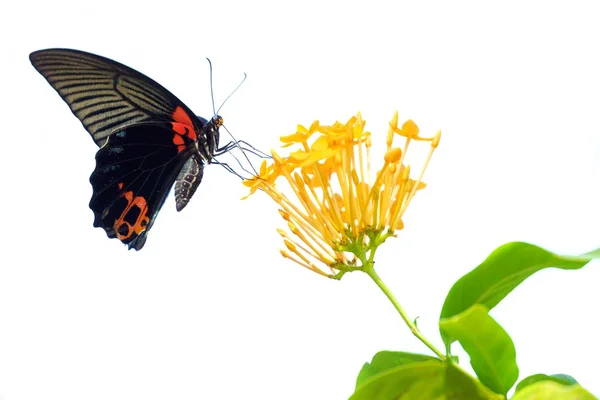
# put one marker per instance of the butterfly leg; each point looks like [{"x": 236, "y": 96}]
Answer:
[
  {"x": 244, "y": 146},
  {"x": 228, "y": 168}
]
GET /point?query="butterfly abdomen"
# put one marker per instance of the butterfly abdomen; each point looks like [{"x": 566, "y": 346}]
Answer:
[{"x": 187, "y": 182}]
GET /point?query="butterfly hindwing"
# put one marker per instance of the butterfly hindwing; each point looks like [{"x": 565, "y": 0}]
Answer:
[{"x": 134, "y": 172}]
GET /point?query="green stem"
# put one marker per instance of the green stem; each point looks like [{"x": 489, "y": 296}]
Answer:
[{"x": 413, "y": 328}]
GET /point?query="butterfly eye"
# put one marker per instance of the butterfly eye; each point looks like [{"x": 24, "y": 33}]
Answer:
[{"x": 216, "y": 121}]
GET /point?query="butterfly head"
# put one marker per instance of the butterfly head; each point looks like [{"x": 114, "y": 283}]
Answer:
[{"x": 212, "y": 134}]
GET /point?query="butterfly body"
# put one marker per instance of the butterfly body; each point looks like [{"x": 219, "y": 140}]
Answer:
[{"x": 149, "y": 140}]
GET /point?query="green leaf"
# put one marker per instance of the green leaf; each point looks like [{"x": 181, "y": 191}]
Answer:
[
  {"x": 388, "y": 359},
  {"x": 548, "y": 389},
  {"x": 563, "y": 379},
  {"x": 431, "y": 379},
  {"x": 503, "y": 270},
  {"x": 492, "y": 351}
]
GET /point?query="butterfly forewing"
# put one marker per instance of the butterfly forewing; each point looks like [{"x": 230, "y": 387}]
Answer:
[{"x": 106, "y": 95}]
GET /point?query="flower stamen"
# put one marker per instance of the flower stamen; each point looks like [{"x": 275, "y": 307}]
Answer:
[{"x": 339, "y": 215}]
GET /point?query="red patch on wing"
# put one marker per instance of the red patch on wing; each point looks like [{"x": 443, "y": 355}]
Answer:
[
  {"x": 179, "y": 142},
  {"x": 141, "y": 221},
  {"x": 182, "y": 130},
  {"x": 179, "y": 115},
  {"x": 177, "y": 139},
  {"x": 182, "y": 121}
]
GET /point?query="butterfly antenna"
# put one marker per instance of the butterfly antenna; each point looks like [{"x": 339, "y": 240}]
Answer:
[
  {"x": 212, "y": 93},
  {"x": 231, "y": 94},
  {"x": 217, "y": 112}
]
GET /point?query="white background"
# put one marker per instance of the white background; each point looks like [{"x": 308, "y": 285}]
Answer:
[{"x": 209, "y": 309}]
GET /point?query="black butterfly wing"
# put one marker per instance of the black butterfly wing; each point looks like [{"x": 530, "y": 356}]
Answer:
[
  {"x": 135, "y": 171},
  {"x": 105, "y": 95},
  {"x": 146, "y": 135}
]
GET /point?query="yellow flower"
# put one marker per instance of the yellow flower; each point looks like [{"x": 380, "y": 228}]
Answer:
[
  {"x": 302, "y": 134},
  {"x": 338, "y": 215}
]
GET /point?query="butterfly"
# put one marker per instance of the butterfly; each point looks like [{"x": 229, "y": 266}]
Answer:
[{"x": 148, "y": 139}]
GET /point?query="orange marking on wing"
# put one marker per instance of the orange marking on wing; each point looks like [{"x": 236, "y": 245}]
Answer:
[
  {"x": 120, "y": 185},
  {"x": 140, "y": 223}
]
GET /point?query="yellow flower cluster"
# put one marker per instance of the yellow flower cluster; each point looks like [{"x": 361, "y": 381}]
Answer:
[{"x": 339, "y": 214}]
